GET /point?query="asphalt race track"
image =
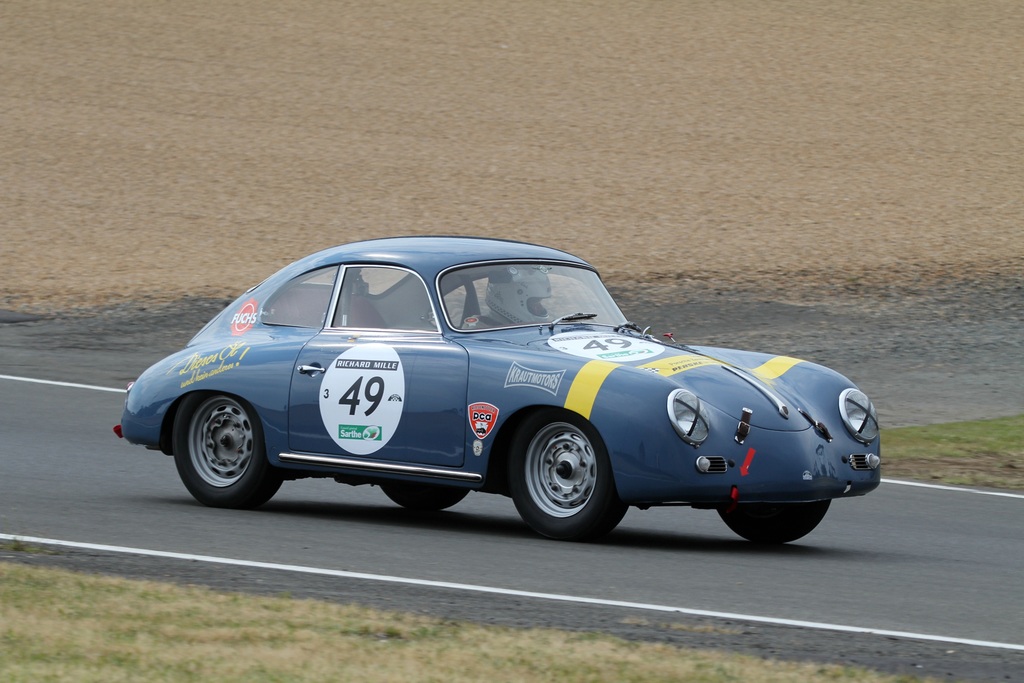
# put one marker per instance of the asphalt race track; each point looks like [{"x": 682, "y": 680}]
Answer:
[
  {"x": 832, "y": 181},
  {"x": 907, "y": 580},
  {"x": 909, "y": 562}
]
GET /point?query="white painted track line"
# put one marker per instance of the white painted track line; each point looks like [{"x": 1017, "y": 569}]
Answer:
[
  {"x": 961, "y": 489},
  {"x": 33, "y": 380},
  {"x": 515, "y": 593}
]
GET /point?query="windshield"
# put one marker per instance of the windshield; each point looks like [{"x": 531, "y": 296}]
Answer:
[{"x": 514, "y": 294}]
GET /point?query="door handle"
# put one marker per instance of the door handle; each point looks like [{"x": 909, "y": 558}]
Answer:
[{"x": 310, "y": 369}]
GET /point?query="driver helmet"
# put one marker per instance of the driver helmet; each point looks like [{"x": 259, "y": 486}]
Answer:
[{"x": 517, "y": 293}]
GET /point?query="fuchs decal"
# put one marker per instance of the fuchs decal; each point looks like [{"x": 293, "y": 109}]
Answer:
[
  {"x": 482, "y": 417},
  {"x": 243, "y": 320}
]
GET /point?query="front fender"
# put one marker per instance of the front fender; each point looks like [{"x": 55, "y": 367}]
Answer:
[{"x": 652, "y": 464}]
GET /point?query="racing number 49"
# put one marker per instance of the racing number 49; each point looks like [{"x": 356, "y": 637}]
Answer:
[
  {"x": 372, "y": 392},
  {"x": 604, "y": 344}
]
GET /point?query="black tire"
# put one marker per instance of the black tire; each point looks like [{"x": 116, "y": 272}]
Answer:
[
  {"x": 423, "y": 497},
  {"x": 775, "y": 524},
  {"x": 220, "y": 453},
  {"x": 561, "y": 479}
]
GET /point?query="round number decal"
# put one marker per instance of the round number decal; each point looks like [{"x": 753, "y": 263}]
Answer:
[
  {"x": 598, "y": 346},
  {"x": 362, "y": 396}
]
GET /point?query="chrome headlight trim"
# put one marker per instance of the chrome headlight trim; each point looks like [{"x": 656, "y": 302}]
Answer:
[
  {"x": 859, "y": 416},
  {"x": 688, "y": 416}
]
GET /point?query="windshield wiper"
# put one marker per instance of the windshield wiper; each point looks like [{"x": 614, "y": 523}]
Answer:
[
  {"x": 629, "y": 325},
  {"x": 571, "y": 318},
  {"x": 646, "y": 334}
]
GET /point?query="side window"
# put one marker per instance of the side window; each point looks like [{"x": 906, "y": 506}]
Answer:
[
  {"x": 463, "y": 302},
  {"x": 456, "y": 301},
  {"x": 378, "y": 297},
  {"x": 302, "y": 302}
]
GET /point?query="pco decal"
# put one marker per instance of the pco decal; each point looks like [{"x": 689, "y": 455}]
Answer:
[
  {"x": 245, "y": 317},
  {"x": 362, "y": 396},
  {"x": 599, "y": 346},
  {"x": 482, "y": 417}
]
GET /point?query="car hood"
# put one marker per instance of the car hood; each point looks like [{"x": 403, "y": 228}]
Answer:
[{"x": 781, "y": 392}]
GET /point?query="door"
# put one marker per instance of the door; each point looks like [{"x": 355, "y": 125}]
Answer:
[{"x": 378, "y": 393}]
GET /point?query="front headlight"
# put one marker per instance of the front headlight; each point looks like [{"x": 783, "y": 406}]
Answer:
[
  {"x": 858, "y": 415},
  {"x": 688, "y": 416}
]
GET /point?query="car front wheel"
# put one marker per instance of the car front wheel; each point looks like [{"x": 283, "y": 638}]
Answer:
[
  {"x": 220, "y": 454},
  {"x": 560, "y": 478},
  {"x": 774, "y": 524}
]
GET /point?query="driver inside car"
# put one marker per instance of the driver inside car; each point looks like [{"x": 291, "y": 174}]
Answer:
[{"x": 516, "y": 294}]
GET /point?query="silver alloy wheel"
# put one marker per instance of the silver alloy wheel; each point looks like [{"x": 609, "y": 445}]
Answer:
[
  {"x": 220, "y": 440},
  {"x": 561, "y": 470}
]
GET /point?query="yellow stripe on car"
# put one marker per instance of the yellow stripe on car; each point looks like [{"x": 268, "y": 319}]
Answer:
[
  {"x": 776, "y": 367},
  {"x": 586, "y": 384}
]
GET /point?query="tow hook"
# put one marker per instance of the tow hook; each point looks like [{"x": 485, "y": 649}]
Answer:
[{"x": 734, "y": 498}]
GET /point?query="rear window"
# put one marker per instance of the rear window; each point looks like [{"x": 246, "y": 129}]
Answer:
[{"x": 302, "y": 302}]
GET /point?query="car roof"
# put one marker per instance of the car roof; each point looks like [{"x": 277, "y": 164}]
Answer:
[{"x": 430, "y": 255}]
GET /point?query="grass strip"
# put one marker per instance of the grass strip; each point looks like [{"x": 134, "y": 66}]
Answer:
[
  {"x": 57, "y": 625},
  {"x": 987, "y": 453}
]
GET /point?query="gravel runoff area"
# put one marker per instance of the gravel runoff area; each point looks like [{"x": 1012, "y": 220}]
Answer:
[
  {"x": 836, "y": 181},
  {"x": 796, "y": 148}
]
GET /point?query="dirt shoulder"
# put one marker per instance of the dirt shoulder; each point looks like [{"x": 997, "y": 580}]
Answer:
[
  {"x": 790, "y": 147},
  {"x": 836, "y": 182},
  {"x": 831, "y": 181}
]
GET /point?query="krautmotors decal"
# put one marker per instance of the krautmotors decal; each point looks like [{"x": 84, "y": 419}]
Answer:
[
  {"x": 362, "y": 396},
  {"x": 617, "y": 348},
  {"x": 522, "y": 376}
]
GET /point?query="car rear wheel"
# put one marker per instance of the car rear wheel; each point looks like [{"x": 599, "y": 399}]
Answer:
[
  {"x": 774, "y": 524},
  {"x": 561, "y": 479},
  {"x": 423, "y": 497},
  {"x": 220, "y": 454}
]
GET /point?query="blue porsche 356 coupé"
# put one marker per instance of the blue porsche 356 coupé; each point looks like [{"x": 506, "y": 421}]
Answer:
[{"x": 436, "y": 366}]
